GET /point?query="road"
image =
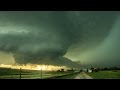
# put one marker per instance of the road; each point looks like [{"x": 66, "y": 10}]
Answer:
[{"x": 83, "y": 75}]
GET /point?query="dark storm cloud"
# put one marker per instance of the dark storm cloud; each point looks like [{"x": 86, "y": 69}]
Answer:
[
  {"x": 109, "y": 49},
  {"x": 45, "y": 37},
  {"x": 99, "y": 44},
  {"x": 36, "y": 37}
]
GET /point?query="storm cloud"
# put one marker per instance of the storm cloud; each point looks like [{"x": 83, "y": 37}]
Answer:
[{"x": 46, "y": 37}]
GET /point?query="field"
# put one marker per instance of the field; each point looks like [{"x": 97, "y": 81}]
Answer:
[
  {"x": 69, "y": 76},
  {"x": 109, "y": 74},
  {"x": 72, "y": 76},
  {"x": 7, "y": 73}
]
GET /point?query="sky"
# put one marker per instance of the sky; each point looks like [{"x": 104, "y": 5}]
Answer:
[{"x": 60, "y": 37}]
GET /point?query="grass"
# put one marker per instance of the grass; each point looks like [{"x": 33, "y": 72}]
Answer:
[
  {"x": 69, "y": 76},
  {"x": 109, "y": 74},
  {"x": 7, "y": 73}
]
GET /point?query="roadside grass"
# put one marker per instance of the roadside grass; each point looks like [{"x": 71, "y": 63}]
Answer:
[
  {"x": 7, "y": 73},
  {"x": 109, "y": 74},
  {"x": 71, "y": 76}
]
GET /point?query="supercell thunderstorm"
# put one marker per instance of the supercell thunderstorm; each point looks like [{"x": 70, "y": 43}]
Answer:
[{"x": 55, "y": 37}]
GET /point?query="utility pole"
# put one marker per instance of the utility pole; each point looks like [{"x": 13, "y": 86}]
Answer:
[
  {"x": 20, "y": 73},
  {"x": 41, "y": 72},
  {"x": 52, "y": 72}
]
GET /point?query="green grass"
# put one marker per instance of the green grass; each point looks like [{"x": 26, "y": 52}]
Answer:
[
  {"x": 71, "y": 76},
  {"x": 7, "y": 73},
  {"x": 113, "y": 74}
]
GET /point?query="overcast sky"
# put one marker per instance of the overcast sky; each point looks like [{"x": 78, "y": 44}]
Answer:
[{"x": 60, "y": 37}]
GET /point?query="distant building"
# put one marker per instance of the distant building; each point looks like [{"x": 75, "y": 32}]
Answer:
[{"x": 89, "y": 70}]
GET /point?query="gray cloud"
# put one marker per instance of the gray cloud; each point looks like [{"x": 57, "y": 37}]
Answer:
[
  {"x": 45, "y": 37},
  {"x": 35, "y": 37},
  {"x": 100, "y": 46}
]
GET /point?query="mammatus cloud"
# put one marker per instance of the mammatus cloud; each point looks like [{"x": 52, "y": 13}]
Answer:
[{"x": 45, "y": 37}]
